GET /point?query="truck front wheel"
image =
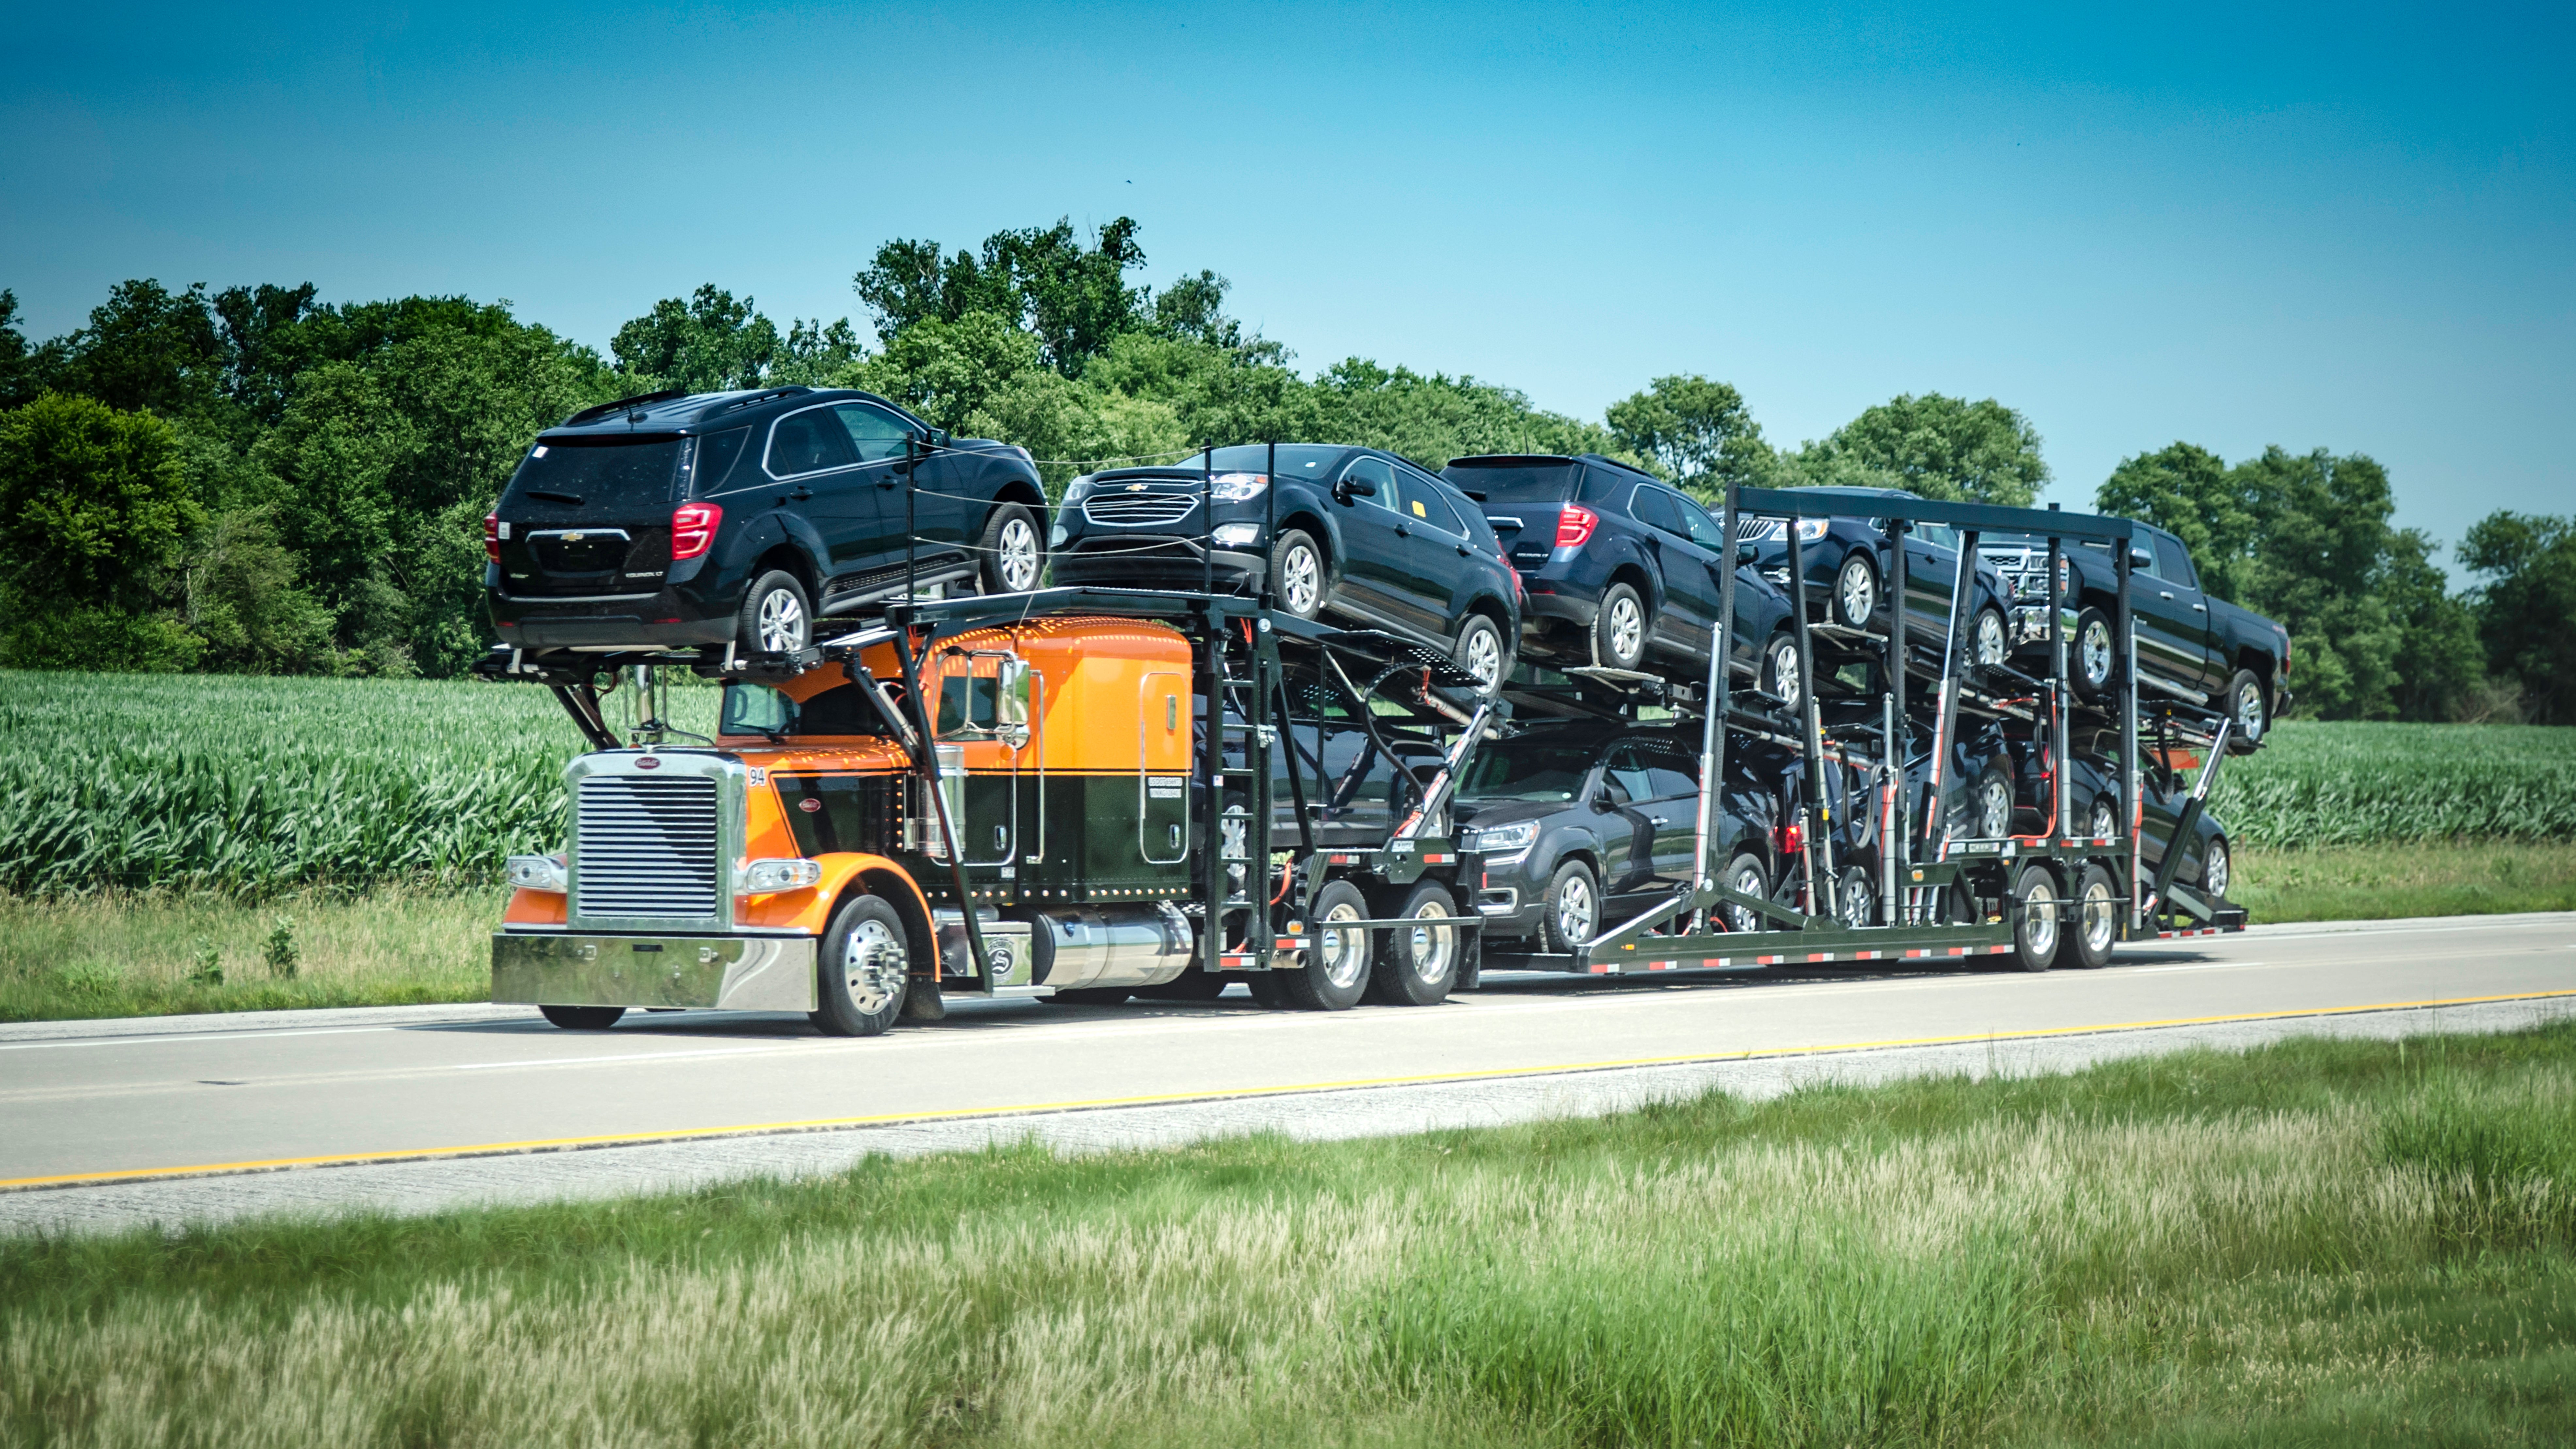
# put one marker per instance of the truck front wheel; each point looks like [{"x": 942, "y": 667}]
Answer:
[{"x": 865, "y": 965}]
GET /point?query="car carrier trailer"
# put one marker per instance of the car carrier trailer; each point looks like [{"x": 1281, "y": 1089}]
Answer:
[
  {"x": 1940, "y": 897},
  {"x": 1067, "y": 792}
]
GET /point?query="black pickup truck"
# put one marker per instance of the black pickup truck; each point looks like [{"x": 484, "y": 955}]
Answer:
[{"x": 2191, "y": 644}]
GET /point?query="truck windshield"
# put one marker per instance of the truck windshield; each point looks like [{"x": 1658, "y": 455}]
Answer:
[
  {"x": 1516, "y": 771},
  {"x": 579, "y": 472},
  {"x": 1547, "y": 482},
  {"x": 757, "y": 709}
]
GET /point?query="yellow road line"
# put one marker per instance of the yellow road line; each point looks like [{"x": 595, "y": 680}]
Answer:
[{"x": 827, "y": 1124}]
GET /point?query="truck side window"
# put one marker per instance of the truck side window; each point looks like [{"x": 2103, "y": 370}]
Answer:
[
  {"x": 2173, "y": 562},
  {"x": 1375, "y": 470}
]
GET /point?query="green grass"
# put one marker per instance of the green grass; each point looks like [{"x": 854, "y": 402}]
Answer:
[
  {"x": 2316, "y": 784},
  {"x": 148, "y": 955},
  {"x": 2385, "y": 882},
  {"x": 2316, "y": 1243}
]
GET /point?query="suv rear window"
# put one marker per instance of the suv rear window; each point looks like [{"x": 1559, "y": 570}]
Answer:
[
  {"x": 637, "y": 468},
  {"x": 1516, "y": 482}
]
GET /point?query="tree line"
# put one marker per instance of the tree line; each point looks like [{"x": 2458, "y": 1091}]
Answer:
[{"x": 256, "y": 480}]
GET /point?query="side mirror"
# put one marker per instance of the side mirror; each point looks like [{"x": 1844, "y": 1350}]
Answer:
[
  {"x": 1011, "y": 702},
  {"x": 1350, "y": 488},
  {"x": 2139, "y": 558},
  {"x": 1745, "y": 553}
]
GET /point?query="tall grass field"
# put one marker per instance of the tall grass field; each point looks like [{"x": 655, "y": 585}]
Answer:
[
  {"x": 249, "y": 786},
  {"x": 2320, "y": 1243}
]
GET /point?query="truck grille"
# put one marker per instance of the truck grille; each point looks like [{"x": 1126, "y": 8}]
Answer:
[
  {"x": 2025, "y": 571},
  {"x": 1140, "y": 510},
  {"x": 645, "y": 847}
]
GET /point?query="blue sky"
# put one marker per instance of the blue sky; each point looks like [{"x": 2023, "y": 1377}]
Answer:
[{"x": 2343, "y": 226}]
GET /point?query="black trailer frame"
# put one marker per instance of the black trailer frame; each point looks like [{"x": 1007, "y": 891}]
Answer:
[{"x": 1920, "y": 864}]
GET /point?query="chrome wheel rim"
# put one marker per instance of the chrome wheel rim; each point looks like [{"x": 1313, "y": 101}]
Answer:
[
  {"x": 1857, "y": 898},
  {"x": 2249, "y": 710},
  {"x": 1627, "y": 630},
  {"x": 1427, "y": 947},
  {"x": 1784, "y": 674},
  {"x": 1990, "y": 638},
  {"x": 1019, "y": 550},
  {"x": 2101, "y": 917},
  {"x": 871, "y": 967},
  {"x": 1574, "y": 911},
  {"x": 1483, "y": 653},
  {"x": 1857, "y": 591},
  {"x": 1342, "y": 954},
  {"x": 1301, "y": 579},
  {"x": 1996, "y": 816},
  {"x": 1748, "y": 881},
  {"x": 2095, "y": 649},
  {"x": 2106, "y": 821},
  {"x": 782, "y": 622},
  {"x": 2214, "y": 874},
  {"x": 2039, "y": 921}
]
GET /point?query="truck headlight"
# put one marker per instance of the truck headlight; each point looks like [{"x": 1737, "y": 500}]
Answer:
[
  {"x": 537, "y": 873},
  {"x": 1509, "y": 842},
  {"x": 760, "y": 877},
  {"x": 1238, "y": 535}
]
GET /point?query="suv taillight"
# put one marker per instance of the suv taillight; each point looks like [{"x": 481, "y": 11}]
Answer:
[
  {"x": 1574, "y": 526},
  {"x": 492, "y": 536},
  {"x": 1793, "y": 837},
  {"x": 693, "y": 527}
]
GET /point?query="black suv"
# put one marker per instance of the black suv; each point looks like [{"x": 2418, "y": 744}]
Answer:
[
  {"x": 1580, "y": 822},
  {"x": 1361, "y": 535},
  {"x": 741, "y": 518},
  {"x": 1621, "y": 569},
  {"x": 1847, "y": 566}
]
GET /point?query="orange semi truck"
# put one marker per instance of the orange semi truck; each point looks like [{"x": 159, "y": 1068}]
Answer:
[{"x": 1000, "y": 798}]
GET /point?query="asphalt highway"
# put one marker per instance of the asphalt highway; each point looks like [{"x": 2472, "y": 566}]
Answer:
[{"x": 94, "y": 1103}]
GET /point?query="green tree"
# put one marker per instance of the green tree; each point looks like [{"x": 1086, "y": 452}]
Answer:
[
  {"x": 2440, "y": 663},
  {"x": 19, "y": 381},
  {"x": 97, "y": 506},
  {"x": 2188, "y": 491},
  {"x": 1072, "y": 298},
  {"x": 1943, "y": 448},
  {"x": 148, "y": 348},
  {"x": 1696, "y": 432},
  {"x": 2526, "y": 611},
  {"x": 709, "y": 343},
  {"x": 946, "y": 371},
  {"x": 1432, "y": 419},
  {"x": 2320, "y": 544},
  {"x": 245, "y": 598}
]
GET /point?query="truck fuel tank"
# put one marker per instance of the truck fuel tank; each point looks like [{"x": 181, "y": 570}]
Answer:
[{"x": 1079, "y": 946}]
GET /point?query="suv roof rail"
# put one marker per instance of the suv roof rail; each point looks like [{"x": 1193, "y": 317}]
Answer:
[
  {"x": 767, "y": 394},
  {"x": 611, "y": 409}
]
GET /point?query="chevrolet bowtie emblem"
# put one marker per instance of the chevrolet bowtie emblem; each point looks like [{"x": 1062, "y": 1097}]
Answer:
[
  {"x": 572, "y": 538},
  {"x": 1135, "y": 487}
]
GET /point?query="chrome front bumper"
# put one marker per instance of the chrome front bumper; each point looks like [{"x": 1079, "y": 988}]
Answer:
[{"x": 728, "y": 973}]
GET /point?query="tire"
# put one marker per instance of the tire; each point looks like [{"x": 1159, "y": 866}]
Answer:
[
  {"x": 1416, "y": 965},
  {"x": 1270, "y": 988},
  {"x": 1298, "y": 579},
  {"x": 583, "y": 1018},
  {"x": 865, "y": 968},
  {"x": 1989, "y": 642},
  {"x": 2102, "y": 822},
  {"x": 1746, "y": 875},
  {"x": 2217, "y": 869},
  {"x": 1570, "y": 911},
  {"x": 2084, "y": 940},
  {"x": 2091, "y": 659},
  {"x": 1855, "y": 600},
  {"x": 1336, "y": 975},
  {"x": 2036, "y": 922},
  {"x": 1781, "y": 678},
  {"x": 2250, "y": 704},
  {"x": 1482, "y": 651},
  {"x": 1619, "y": 629},
  {"x": 1990, "y": 802},
  {"x": 1011, "y": 556},
  {"x": 776, "y": 617},
  {"x": 1856, "y": 898}
]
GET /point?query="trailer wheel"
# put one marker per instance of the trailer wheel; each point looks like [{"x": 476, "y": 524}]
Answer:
[
  {"x": 583, "y": 1018},
  {"x": 1418, "y": 964},
  {"x": 2093, "y": 924},
  {"x": 2091, "y": 661},
  {"x": 1337, "y": 965},
  {"x": 865, "y": 966},
  {"x": 2035, "y": 924}
]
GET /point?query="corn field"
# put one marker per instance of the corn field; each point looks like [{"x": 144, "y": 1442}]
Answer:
[{"x": 245, "y": 786}]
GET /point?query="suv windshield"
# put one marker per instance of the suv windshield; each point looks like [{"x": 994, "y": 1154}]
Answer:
[
  {"x": 1296, "y": 460},
  {"x": 1551, "y": 481},
  {"x": 637, "y": 468},
  {"x": 1525, "y": 771}
]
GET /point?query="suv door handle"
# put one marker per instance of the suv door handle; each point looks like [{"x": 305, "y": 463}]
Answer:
[
  {"x": 2200, "y": 608},
  {"x": 801, "y": 494},
  {"x": 1403, "y": 530},
  {"x": 2164, "y": 593}
]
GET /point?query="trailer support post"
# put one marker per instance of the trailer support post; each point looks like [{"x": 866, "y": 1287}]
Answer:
[{"x": 2133, "y": 800}]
